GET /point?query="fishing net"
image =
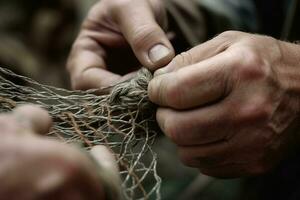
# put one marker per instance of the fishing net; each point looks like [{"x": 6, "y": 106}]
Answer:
[{"x": 121, "y": 118}]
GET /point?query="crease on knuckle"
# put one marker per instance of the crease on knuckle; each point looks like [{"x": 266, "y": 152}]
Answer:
[{"x": 183, "y": 59}]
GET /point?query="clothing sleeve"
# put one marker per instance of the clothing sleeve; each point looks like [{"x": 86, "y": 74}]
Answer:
[{"x": 199, "y": 20}]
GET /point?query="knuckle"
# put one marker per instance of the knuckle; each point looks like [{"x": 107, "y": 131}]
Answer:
[
  {"x": 143, "y": 36},
  {"x": 256, "y": 109},
  {"x": 183, "y": 59},
  {"x": 250, "y": 65},
  {"x": 251, "y": 58},
  {"x": 78, "y": 83},
  {"x": 228, "y": 34},
  {"x": 264, "y": 112}
]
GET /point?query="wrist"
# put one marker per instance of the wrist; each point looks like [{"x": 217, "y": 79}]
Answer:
[{"x": 289, "y": 78}]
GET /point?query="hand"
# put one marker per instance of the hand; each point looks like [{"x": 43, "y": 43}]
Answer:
[
  {"x": 113, "y": 25},
  {"x": 228, "y": 103},
  {"x": 32, "y": 167}
]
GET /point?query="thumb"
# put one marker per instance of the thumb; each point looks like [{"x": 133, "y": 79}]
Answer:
[
  {"x": 149, "y": 42},
  {"x": 109, "y": 172}
]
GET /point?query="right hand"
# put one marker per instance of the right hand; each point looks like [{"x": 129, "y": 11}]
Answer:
[
  {"x": 34, "y": 167},
  {"x": 231, "y": 105},
  {"x": 112, "y": 25}
]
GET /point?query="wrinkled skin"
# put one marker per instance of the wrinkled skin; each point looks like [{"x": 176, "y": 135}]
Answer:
[
  {"x": 33, "y": 167},
  {"x": 228, "y": 103},
  {"x": 111, "y": 29}
]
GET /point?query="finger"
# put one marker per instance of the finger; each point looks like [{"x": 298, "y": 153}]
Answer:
[
  {"x": 147, "y": 39},
  {"x": 86, "y": 63},
  {"x": 217, "y": 160},
  {"x": 109, "y": 173},
  {"x": 93, "y": 78},
  {"x": 105, "y": 158},
  {"x": 196, "y": 127},
  {"x": 195, "y": 85},
  {"x": 199, "y": 53},
  {"x": 52, "y": 169},
  {"x": 87, "y": 66},
  {"x": 33, "y": 118}
]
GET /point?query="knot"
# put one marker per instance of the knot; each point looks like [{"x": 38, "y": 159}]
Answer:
[{"x": 132, "y": 93}]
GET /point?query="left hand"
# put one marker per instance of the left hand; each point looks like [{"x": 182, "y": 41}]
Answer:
[
  {"x": 229, "y": 102},
  {"x": 111, "y": 30},
  {"x": 35, "y": 167}
]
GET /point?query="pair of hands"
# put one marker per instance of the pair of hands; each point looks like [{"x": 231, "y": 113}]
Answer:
[
  {"x": 227, "y": 103},
  {"x": 33, "y": 167}
]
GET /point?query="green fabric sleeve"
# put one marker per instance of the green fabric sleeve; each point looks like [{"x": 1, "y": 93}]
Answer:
[{"x": 199, "y": 20}]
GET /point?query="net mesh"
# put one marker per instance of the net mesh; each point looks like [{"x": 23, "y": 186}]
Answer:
[{"x": 121, "y": 118}]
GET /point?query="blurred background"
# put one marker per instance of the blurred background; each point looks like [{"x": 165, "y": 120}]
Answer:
[
  {"x": 35, "y": 39},
  {"x": 36, "y": 36}
]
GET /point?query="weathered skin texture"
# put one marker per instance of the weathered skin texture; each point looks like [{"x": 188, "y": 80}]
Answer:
[{"x": 228, "y": 103}]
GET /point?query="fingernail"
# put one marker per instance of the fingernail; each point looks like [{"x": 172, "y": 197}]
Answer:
[{"x": 158, "y": 53}]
